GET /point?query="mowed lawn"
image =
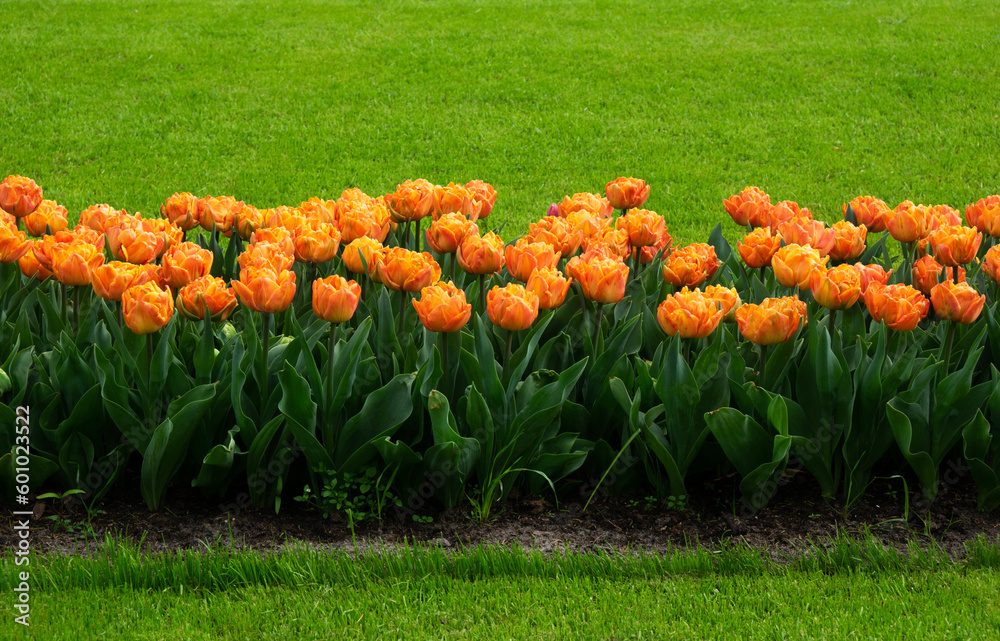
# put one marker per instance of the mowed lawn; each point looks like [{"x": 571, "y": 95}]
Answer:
[{"x": 277, "y": 101}]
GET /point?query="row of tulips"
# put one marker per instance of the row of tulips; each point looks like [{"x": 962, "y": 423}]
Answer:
[{"x": 466, "y": 367}]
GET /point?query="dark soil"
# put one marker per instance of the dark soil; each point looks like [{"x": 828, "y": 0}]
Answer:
[{"x": 714, "y": 513}]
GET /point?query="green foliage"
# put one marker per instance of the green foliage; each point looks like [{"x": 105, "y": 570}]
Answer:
[{"x": 358, "y": 496}]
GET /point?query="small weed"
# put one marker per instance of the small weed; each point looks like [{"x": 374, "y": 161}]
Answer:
[{"x": 356, "y": 496}]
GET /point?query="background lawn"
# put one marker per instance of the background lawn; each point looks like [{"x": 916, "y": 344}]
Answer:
[{"x": 277, "y": 101}]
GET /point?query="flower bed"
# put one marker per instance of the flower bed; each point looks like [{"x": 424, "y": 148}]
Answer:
[{"x": 338, "y": 353}]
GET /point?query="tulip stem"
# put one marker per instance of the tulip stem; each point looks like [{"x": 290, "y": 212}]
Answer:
[
  {"x": 310, "y": 279},
  {"x": 598, "y": 343},
  {"x": 947, "y": 345},
  {"x": 149, "y": 380},
  {"x": 482, "y": 294},
  {"x": 506, "y": 357},
  {"x": 265, "y": 348},
  {"x": 832, "y": 322},
  {"x": 454, "y": 259},
  {"x": 65, "y": 295},
  {"x": 406, "y": 234},
  {"x": 444, "y": 363},
  {"x": 76, "y": 308},
  {"x": 955, "y": 272},
  {"x": 402, "y": 312},
  {"x": 763, "y": 364},
  {"x": 416, "y": 238},
  {"x": 329, "y": 376}
]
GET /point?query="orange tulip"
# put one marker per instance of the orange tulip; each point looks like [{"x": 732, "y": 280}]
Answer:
[
  {"x": 601, "y": 278},
  {"x": 773, "y": 321},
  {"x": 984, "y": 215},
  {"x": 412, "y": 200},
  {"x": 900, "y": 307},
  {"x": 111, "y": 280},
  {"x": 30, "y": 266},
  {"x": 991, "y": 263},
  {"x": 19, "y": 196},
  {"x": 48, "y": 213},
  {"x": 944, "y": 216},
  {"x": 484, "y": 197},
  {"x": 908, "y": 222},
  {"x": 549, "y": 284},
  {"x": 265, "y": 255},
  {"x": 206, "y": 293},
  {"x": 777, "y": 214},
  {"x": 247, "y": 221},
  {"x": 690, "y": 266},
  {"x": 291, "y": 218},
  {"x": 750, "y": 204},
  {"x": 351, "y": 197},
  {"x": 871, "y": 274},
  {"x": 512, "y": 307},
  {"x": 353, "y": 252},
  {"x": 758, "y": 247},
  {"x": 147, "y": 308},
  {"x": 927, "y": 273},
  {"x": 613, "y": 241},
  {"x": 957, "y": 302},
  {"x": 627, "y": 193},
  {"x": 481, "y": 254},
  {"x": 446, "y": 233},
  {"x": 334, "y": 298},
  {"x": 453, "y": 199},
  {"x": 184, "y": 263},
  {"x": 648, "y": 254},
  {"x": 96, "y": 216},
  {"x": 955, "y": 245},
  {"x": 691, "y": 314},
  {"x": 644, "y": 227},
  {"x": 319, "y": 210},
  {"x": 72, "y": 263},
  {"x": 849, "y": 240},
  {"x": 836, "y": 288},
  {"x": 805, "y": 231},
  {"x": 593, "y": 204},
  {"x": 181, "y": 210},
  {"x": 13, "y": 244},
  {"x": 524, "y": 257},
  {"x": 557, "y": 232},
  {"x": 794, "y": 265},
  {"x": 278, "y": 236},
  {"x": 727, "y": 298},
  {"x": 264, "y": 289},
  {"x": 443, "y": 308},
  {"x": 316, "y": 242},
  {"x": 218, "y": 213},
  {"x": 870, "y": 212},
  {"x": 401, "y": 269},
  {"x": 171, "y": 234},
  {"x": 131, "y": 243},
  {"x": 357, "y": 220}
]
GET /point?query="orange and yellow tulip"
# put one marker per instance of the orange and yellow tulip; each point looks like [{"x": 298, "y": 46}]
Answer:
[
  {"x": 291, "y": 218},
  {"x": 956, "y": 245},
  {"x": 147, "y": 308},
  {"x": 181, "y": 209},
  {"x": 648, "y": 253},
  {"x": 727, "y": 298},
  {"x": 443, "y": 308},
  {"x": 73, "y": 263},
  {"x": 871, "y": 274},
  {"x": 614, "y": 242},
  {"x": 247, "y": 221},
  {"x": 513, "y": 307},
  {"x": 316, "y": 242},
  {"x": 361, "y": 247},
  {"x": 794, "y": 265},
  {"x": 849, "y": 240},
  {"x": 557, "y": 232},
  {"x": 957, "y": 302},
  {"x": 481, "y": 254},
  {"x": 218, "y": 213},
  {"x": 805, "y": 231},
  {"x": 689, "y": 313},
  {"x": 593, "y": 204},
  {"x": 900, "y": 307},
  {"x": 758, "y": 247},
  {"x": 602, "y": 278},
  {"x": 334, "y": 298},
  {"x": 206, "y": 293},
  {"x": 773, "y": 321},
  {"x": 412, "y": 200},
  {"x": 132, "y": 243},
  {"x": 446, "y": 233},
  {"x": 836, "y": 288},
  {"x": 358, "y": 220},
  {"x": 13, "y": 244},
  {"x": 111, "y": 280},
  {"x": 264, "y": 289},
  {"x": 927, "y": 273},
  {"x": 401, "y": 269},
  {"x": 319, "y": 210},
  {"x": 184, "y": 263},
  {"x": 19, "y": 196},
  {"x": 751, "y": 204},
  {"x": 627, "y": 193},
  {"x": 991, "y": 263},
  {"x": 453, "y": 199},
  {"x": 30, "y": 266},
  {"x": 908, "y": 222},
  {"x": 644, "y": 228},
  {"x": 278, "y": 236},
  {"x": 49, "y": 214},
  {"x": 524, "y": 257},
  {"x": 550, "y": 286},
  {"x": 265, "y": 255},
  {"x": 870, "y": 212},
  {"x": 96, "y": 216},
  {"x": 484, "y": 197},
  {"x": 984, "y": 215},
  {"x": 690, "y": 266}
]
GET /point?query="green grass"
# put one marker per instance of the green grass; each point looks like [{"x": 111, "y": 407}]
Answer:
[
  {"x": 127, "y": 102},
  {"x": 851, "y": 585}
]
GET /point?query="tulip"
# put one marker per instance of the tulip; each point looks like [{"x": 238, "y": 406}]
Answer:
[
  {"x": 524, "y": 257},
  {"x": 870, "y": 212},
  {"x": 908, "y": 222},
  {"x": 805, "y": 231},
  {"x": 944, "y": 216},
  {"x": 412, "y": 200},
  {"x": 750, "y": 204},
  {"x": 984, "y": 215},
  {"x": 955, "y": 245},
  {"x": 206, "y": 293},
  {"x": 627, "y": 193},
  {"x": 443, "y": 308},
  {"x": 319, "y": 210},
  {"x": 794, "y": 265},
  {"x": 19, "y": 196},
  {"x": 484, "y": 197},
  {"x": 49, "y": 214},
  {"x": 181, "y": 209},
  {"x": 644, "y": 228},
  {"x": 401, "y": 269},
  {"x": 593, "y": 204},
  {"x": 218, "y": 214},
  {"x": 247, "y": 221},
  {"x": 550, "y": 286},
  {"x": 613, "y": 242},
  {"x": 13, "y": 244},
  {"x": 691, "y": 314},
  {"x": 900, "y": 307},
  {"x": 777, "y": 214},
  {"x": 111, "y": 280},
  {"x": 131, "y": 243},
  {"x": 171, "y": 234},
  {"x": 849, "y": 240},
  {"x": 316, "y": 242},
  {"x": 358, "y": 220},
  {"x": 871, "y": 274},
  {"x": 453, "y": 199},
  {"x": 30, "y": 265},
  {"x": 359, "y": 248},
  {"x": 73, "y": 262},
  {"x": 184, "y": 263},
  {"x": 278, "y": 236},
  {"x": 446, "y": 233},
  {"x": 96, "y": 216},
  {"x": 835, "y": 289},
  {"x": 758, "y": 247},
  {"x": 648, "y": 254},
  {"x": 601, "y": 279},
  {"x": 957, "y": 302},
  {"x": 773, "y": 321},
  {"x": 558, "y": 233},
  {"x": 727, "y": 298},
  {"x": 291, "y": 218},
  {"x": 690, "y": 266},
  {"x": 334, "y": 298},
  {"x": 587, "y": 223},
  {"x": 264, "y": 289},
  {"x": 991, "y": 263},
  {"x": 481, "y": 254},
  {"x": 265, "y": 255},
  {"x": 351, "y": 195},
  {"x": 512, "y": 308},
  {"x": 147, "y": 308},
  {"x": 927, "y": 272}
]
